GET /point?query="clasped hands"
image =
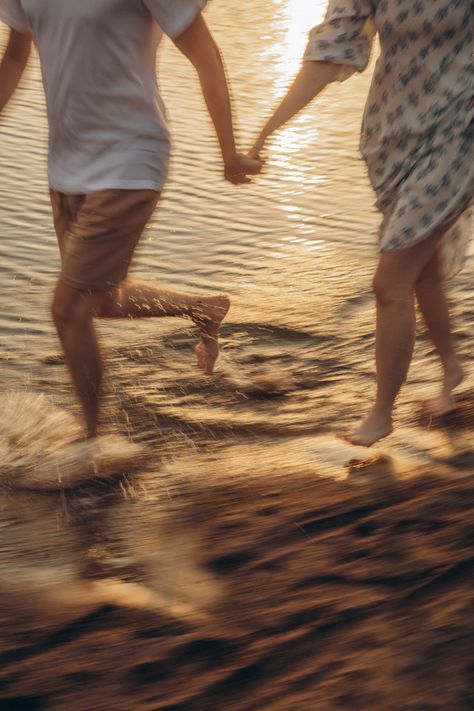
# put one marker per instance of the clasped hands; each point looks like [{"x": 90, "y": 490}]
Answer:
[{"x": 238, "y": 168}]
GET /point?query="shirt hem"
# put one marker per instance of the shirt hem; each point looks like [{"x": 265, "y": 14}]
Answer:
[
  {"x": 85, "y": 189},
  {"x": 14, "y": 24}
]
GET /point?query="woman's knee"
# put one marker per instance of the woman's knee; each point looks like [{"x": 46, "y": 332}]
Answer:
[{"x": 389, "y": 292}]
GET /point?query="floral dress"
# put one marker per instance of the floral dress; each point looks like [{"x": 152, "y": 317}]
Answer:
[{"x": 418, "y": 127}]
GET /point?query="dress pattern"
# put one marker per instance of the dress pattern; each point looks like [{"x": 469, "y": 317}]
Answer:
[{"x": 418, "y": 128}]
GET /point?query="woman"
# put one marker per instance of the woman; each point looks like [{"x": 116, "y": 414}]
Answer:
[{"x": 417, "y": 141}]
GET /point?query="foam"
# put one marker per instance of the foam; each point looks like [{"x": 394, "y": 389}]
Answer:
[{"x": 41, "y": 446}]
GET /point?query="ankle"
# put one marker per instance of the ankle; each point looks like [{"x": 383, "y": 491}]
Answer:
[
  {"x": 89, "y": 427},
  {"x": 451, "y": 362},
  {"x": 382, "y": 411}
]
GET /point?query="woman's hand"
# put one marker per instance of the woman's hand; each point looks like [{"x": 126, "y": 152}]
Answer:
[{"x": 256, "y": 151}]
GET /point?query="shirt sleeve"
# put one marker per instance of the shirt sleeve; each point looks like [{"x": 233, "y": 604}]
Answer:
[
  {"x": 11, "y": 13},
  {"x": 345, "y": 37},
  {"x": 174, "y": 16}
]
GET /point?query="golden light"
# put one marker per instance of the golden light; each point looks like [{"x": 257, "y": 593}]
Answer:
[
  {"x": 293, "y": 21},
  {"x": 297, "y": 17}
]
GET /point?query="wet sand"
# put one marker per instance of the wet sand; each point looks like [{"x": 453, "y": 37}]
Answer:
[{"x": 282, "y": 593}]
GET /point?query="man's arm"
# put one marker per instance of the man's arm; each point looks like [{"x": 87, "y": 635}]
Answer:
[
  {"x": 198, "y": 45},
  {"x": 13, "y": 64}
]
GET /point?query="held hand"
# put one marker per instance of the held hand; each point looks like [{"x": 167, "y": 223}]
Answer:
[{"x": 239, "y": 167}]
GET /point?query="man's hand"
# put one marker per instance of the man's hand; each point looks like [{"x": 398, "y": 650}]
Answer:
[{"x": 238, "y": 168}]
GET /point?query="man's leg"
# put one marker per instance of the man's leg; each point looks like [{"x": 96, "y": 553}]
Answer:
[
  {"x": 431, "y": 299},
  {"x": 394, "y": 285},
  {"x": 144, "y": 300},
  {"x": 97, "y": 235},
  {"x": 74, "y": 311}
]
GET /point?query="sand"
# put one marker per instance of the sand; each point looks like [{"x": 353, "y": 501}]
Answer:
[{"x": 297, "y": 593}]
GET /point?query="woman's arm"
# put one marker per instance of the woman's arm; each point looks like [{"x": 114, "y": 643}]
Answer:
[
  {"x": 312, "y": 78},
  {"x": 13, "y": 64}
]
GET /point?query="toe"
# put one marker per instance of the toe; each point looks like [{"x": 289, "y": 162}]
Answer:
[{"x": 356, "y": 440}]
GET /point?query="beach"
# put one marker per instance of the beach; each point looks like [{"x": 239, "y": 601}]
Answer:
[{"x": 247, "y": 559}]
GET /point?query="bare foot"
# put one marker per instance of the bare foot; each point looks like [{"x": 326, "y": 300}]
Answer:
[
  {"x": 445, "y": 402},
  {"x": 370, "y": 431},
  {"x": 212, "y": 311}
]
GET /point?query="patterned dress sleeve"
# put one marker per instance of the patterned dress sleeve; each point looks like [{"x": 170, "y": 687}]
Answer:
[
  {"x": 345, "y": 37},
  {"x": 174, "y": 16},
  {"x": 11, "y": 13}
]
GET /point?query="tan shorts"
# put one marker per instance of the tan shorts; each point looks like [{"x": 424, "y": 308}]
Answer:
[{"x": 98, "y": 233}]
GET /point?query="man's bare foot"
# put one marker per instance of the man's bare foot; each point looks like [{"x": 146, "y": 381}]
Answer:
[
  {"x": 445, "y": 402},
  {"x": 209, "y": 316},
  {"x": 371, "y": 430}
]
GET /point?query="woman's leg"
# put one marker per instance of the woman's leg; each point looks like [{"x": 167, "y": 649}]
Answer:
[
  {"x": 394, "y": 286},
  {"x": 432, "y": 302}
]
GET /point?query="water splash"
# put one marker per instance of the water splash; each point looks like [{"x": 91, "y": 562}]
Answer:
[{"x": 41, "y": 446}]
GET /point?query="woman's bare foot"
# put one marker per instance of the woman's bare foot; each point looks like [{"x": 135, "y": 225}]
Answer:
[
  {"x": 445, "y": 402},
  {"x": 209, "y": 316},
  {"x": 376, "y": 426}
]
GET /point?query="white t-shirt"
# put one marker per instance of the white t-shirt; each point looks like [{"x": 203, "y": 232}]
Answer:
[{"x": 106, "y": 117}]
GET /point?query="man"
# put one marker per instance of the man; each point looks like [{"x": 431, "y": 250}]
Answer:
[{"x": 108, "y": 158}]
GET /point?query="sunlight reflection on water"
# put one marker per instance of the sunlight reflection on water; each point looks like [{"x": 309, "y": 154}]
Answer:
[{"x": 297, "y": 16}]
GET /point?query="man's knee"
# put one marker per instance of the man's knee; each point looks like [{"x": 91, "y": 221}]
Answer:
[
  {"x": 108, "y": 303},
  {"x": 71, "y": 308}
]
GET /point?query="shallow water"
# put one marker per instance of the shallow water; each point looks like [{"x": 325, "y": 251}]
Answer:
[{"x": 295, "y": 250}]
